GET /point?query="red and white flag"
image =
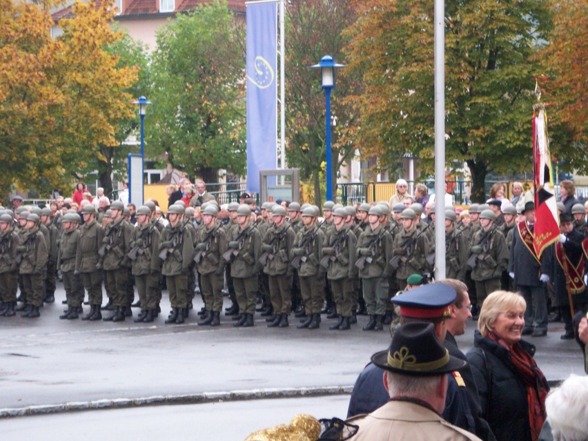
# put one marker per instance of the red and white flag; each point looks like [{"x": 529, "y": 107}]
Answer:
[{"x": 546, "y": 215}]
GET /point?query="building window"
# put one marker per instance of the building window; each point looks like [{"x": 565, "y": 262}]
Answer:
[{"x": 166, "y": 5}]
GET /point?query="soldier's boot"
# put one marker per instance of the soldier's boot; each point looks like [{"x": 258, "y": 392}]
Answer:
[
  {"x": 388, "y": 318},
  {"x": 206, "y": 319},
  {"x": 172, "y": 316},
  {"x": 237, "y": 317},
  {"x": 23, "y": 307},
  {"x": 336, "y": 325},
  {"x": 128, "y": 312},
  {"x": 268, "y": 311},
  {"x": 241, "y": 321},
  {"x": 300, "y": 311},
  {"x": 97, "y": 314},
  {"x": 379, "y": 323},
  {"x": 108, "y": 306},
  {"x": 352, "y": 319},
  {"x": 248, "y": 321},
  {"x": 315, "y": 323},
  {"x": 34, "y": 312},
  {"x": 3, "y": 307},
  {"x": 141, "y": 316},
  {"x": 275, "y": 322},
  {"x": 181, "y": 317},
  {"x": 232, "y": 310},
  {"x": 202, "y": 311},
  {"x": 111, "y": 317},
  {"x": 371, "y": 324},
  {"x": 26, "y": 310},
  {"x": 137, "y": 304},
  {"x": 65, "y": 314},
  {"x": 345, "y": 325},
  {"x": 271, "y": 318},
  {"x": 73, "y": 313},
  {"x": 9, "y": 311},
  {"x": 91, "y": 313},
  {"x": 120, "y": 315},
  {"x": 149, "y": 316},
  {"x": 49, "y": 298},
  {"x": 305, "y": 323},
  {"x": 333, "y": 314},
  {"x": 215, "y": 319},
  {"x": 284, "y": 321}
]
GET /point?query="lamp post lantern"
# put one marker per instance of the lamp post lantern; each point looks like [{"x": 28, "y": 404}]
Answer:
[
  {"x": 327, "y": 67},
  {"x": 142, "y": 102}
]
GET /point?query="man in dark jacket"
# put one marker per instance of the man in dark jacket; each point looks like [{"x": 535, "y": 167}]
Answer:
[{"x": 524, "y": 268}]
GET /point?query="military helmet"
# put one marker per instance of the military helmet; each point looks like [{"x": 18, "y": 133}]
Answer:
[
  {"x": 89, "y": 209},
  {"x": 488, "y": 214},
  {"x": 22, "y": 209},
  {"x": 143, "y": 210},
  {"x": 126, "y": 211},
  {"x": 303, "y": 206},
  {"x": 309, "y": 211},
  {"x": 180, "y": 202},
  {"x": 364, "y": 207},
  {"x": 233, "y": 206},
  {"x": 32, "y": 217},
  {"x": 294, "y": 206},
  {"x": 384, "y": 208},
  {"x": 340, "y": 211},
  {"x": 398, "y": 208},
  {"x": 189, "y": 212},
  {"x": 151, "y": 205},
  {"x": 108, "y": 213},
  {"x": 267, "y": 205},
  {"x": 350, "y": 210},
  {"x": 176, "y": 209},
  {"x": 474, "y": 208},
  {"x": 578, "y": 209},
  {"x": 6, "y": 218},
  {"x": 408, "y": 213},
  {"x": 417, "y": 208},
  {"x": 37, "y": 211},
  {"x": 510, "y": 209},
  {"x": 244, "y": 210},
  {"x": 71, "y": 217},
  {"x": 46, "y": 211},
  {"x": 560, "y": 206},
  {"x": 450, "y": 215},
  {"x": 117, "y": 205},
  {"x": 375, "y": 210},
  {"x": 328, "y": 206},
  {"x": 484, "y": 207},
  {"x": 210, "y": 210},
  {"x": 278, "y": 210}
]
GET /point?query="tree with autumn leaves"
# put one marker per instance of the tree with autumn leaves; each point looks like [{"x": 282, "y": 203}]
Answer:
[{"x": 62, "y": 98}]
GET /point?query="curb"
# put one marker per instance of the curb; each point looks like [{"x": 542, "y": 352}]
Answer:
[{"x": 167, "y": 400}]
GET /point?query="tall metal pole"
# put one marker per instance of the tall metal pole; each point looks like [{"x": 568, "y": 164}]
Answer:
[
  {"x": 440, "y": 139},
  {"x": 329, "y": 165},
  {"x": 142, "y": 157},
  {"x": 282, "y": 87}
]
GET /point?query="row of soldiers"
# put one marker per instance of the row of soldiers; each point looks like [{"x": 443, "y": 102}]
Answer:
[{"x": 354, "y": 256}]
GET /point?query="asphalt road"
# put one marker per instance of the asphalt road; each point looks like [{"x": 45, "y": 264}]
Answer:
[{"x": 51, "y": 362}]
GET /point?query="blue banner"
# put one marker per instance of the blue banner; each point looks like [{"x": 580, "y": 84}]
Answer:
[{"x": 262, "y": 123}]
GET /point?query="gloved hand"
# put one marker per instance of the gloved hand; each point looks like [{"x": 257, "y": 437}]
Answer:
[
  {"x": 166, "y": 244},
  {"x": 328, "y": 251},
  {"x": 562, "y": 238},
  {"x": 266, "y": 248},
  {"x": 363, "y": 251},
  {"x": 298, "y": 251},
  {"x": 544, "y": 278},
  {"x": 201, "y": 247},
  {"x": 511, "y": 275},
  {"x": 399, "y": 251},
  {"x": 476, "y": 249},
  {"x": 233, "y": 245}
]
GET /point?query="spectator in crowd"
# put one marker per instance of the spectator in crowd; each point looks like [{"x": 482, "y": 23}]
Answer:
[
  {"x": 78, "y": 194},
  {"x": 401, "y": 192},
  {"x": 497, "y": 191},
  {"x": 99, "y": 195},
  {"x": 511, "y": 386},
  {"x": 567, "y": 413},
  {"x": 421, "y": 194},
  {"x": 567, "y": 194},
  {"x": 517, "y": 193},
  {"x": 123, "y": 195}
]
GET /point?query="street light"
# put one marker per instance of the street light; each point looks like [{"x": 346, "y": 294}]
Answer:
[
  {"x": 142, "y": 102},
  {"x": 327, "y": 67}
]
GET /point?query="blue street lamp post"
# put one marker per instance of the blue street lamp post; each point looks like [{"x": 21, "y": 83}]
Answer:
[
  {"x": 142, "y": 102},
  {"x": 328, "y": 66}
]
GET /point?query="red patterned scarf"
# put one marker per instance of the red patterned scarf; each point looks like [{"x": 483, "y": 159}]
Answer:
[{"x": 534, "y": 381}]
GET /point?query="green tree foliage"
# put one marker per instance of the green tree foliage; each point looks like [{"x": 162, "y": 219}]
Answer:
[
  {"x": 314, "y": 29},
  {"x": 61, "y": 98},
  {"x": 490, "y": 77},
  {"x": 197, "y": 120},
  {"x": 565, "y": 61}
]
